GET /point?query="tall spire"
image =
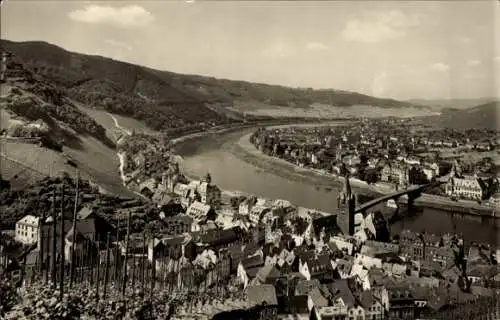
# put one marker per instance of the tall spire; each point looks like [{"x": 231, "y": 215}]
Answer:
[
  {"x": 347, "y": 185},
  {"x": 208, "y": 178}
]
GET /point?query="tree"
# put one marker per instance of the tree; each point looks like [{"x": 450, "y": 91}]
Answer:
[{"x": 371, "y": 176}]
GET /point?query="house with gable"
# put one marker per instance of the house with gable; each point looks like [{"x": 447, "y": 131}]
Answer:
[
  {"x": 320, "y": 267},
  {"x": 371, "y": 247},
  {"x": 264, "y": 296},
  {"x": 360, "y": 274},
  {"x": 248, "y": 268},
  {"x": 323, "y": 308},
  {"x": 247, "y": 205},
  {"x": 178, "y": 224},
  {"x": 367, "y": 261},
  {"x": 373, "y": 306},
  {"x": 201, "y": 212},
  {"x": 181, "y": 190},
  {"x": 27, "y": 229},
  {"x": 346, "y": 289},
  {"x": 217, "y": 239},
  {"x": 343, "y": 244},
  {"x": 344, "y": 267},
  {"x": 166, "y": 202},
  {"x": 267, "y": 274},
  {"x": 209, "y": 192},
  {"x": 293, "y": 308},
  {"x": 327, "y": 225},
  {"x": 148, "y": 187},
  {"x": 257, "y": 212}
]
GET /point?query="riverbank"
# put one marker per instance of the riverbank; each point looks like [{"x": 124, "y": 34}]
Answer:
[
  {"x": 245, "y": 150},
  {"x": 248, "y": 152},
  {"x": 231, "y": 128}
]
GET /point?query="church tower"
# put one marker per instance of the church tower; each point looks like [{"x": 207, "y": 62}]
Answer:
[
  {"x": 456, "y": 170},
  {"x": 347, "y": 202},
  {"x": 171, "y": 177},
  {"x": 350, "y": 199},
  {"x": 208, "y": 178}
]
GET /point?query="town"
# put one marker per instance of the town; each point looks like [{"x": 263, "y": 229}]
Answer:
[
  {"x": 213, "y": 254},
  {"x": 395, "y": 154}
]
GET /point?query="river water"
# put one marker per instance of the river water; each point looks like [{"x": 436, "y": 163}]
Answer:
[{"x": 230, "y": 171}]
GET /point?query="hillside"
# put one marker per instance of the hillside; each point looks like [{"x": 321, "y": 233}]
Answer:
[
  {"x": 44, "y": 133},
  {"x": 452, "y": 103},
  {"x": 35, "y": 107},
  {"x": 484, "y": 116},
  {"x": 166, "y": 100}
]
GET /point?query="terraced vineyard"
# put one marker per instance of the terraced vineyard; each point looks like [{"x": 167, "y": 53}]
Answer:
[{"x": 18, "y": 174}]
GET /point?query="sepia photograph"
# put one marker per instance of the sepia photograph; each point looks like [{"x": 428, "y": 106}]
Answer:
[{"x": 262, "y": 160}]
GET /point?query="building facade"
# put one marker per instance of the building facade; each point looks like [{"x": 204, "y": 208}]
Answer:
[
  {"x": 27, "y": 230},
  {"x": 466, "y": 188}
]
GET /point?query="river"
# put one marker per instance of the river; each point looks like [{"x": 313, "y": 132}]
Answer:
[{"x": 218, "y": 154}]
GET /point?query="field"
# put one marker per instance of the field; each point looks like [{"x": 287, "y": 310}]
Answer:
[
  {"x": 105, "y": 119},
  {"x": 133, "y": 124}
]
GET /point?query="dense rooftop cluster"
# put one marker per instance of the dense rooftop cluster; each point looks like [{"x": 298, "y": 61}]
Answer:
[
  {"x": 208, "y": 246},
  {"x": 394, "y": 154}
]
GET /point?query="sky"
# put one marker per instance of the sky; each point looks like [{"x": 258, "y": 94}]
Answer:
[{"x": 402, "y": 50}]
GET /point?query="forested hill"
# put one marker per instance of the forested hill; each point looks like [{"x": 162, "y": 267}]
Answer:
[
  {"x": 33, "y": 107},
  {"x": 162, "y": 99},
  {"x": 484, "y": 116}
]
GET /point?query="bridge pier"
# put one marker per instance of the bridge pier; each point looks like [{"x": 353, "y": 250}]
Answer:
[
  {"x": 411, "y": 199},
  {"x": 411, "y": 202}
]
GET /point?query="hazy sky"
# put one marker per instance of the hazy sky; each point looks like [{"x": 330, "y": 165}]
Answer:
[{"x": 404, "y": 50}]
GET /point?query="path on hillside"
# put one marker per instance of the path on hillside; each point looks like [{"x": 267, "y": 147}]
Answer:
[
  {"x": 121, "y": 154},
  {"x": 124, "y": 130}
]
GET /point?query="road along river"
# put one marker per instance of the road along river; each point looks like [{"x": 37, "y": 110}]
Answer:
[{"x": 235, "y": 164}]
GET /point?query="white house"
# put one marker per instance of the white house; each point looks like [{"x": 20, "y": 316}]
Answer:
[
  {"x": 342, "y": 244},
  {"x": 324, "y": 310},
  {"x": 367, "y": 261},
  {"x": 360, "y": 274},
  {"x": 467, "y": 187},
  {"x": 198, "y": 210},
  {"x": 430, "y": 173},
  {"x": 27, "y": 230}
]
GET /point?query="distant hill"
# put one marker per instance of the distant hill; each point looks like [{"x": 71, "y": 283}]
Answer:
[
  {"x": 448, "y": 104},
  {"x": 166, "y": 100},
  {"x": 484, "y": 116}
]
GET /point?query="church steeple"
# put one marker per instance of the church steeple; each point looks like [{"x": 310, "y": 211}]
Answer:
[
  {"x": 208, "y": 178},
  {"x": 350, "y": 201},
  {"x": 347, "y": 187}
]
